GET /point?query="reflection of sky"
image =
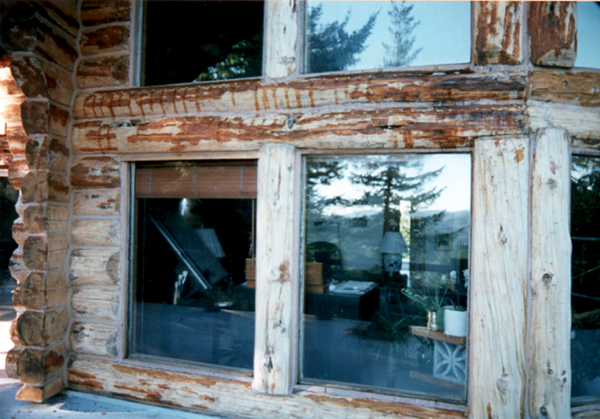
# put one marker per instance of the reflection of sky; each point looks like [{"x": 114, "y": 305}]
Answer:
[
  {"x": 444, "y": 32},
  {"x": 455, "y": 181},
  {"x": 588, "y": 35}
]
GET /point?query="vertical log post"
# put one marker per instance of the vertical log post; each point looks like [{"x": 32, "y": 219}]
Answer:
[
  {"x": 550, "y": 321},
  {"x": 277, "y": 279},
  {"x": 498, "y": 285},
  {"x": 553, "y": 33},
  {"x": 281, "y": 38},
  {"x": 498, "y": 32}
]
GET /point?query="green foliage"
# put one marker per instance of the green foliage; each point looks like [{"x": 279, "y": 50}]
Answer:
[
  {"x": 244, "y": 60},
  {"x": 400, "y": 52},
  {"x": 331, "y": 47},
  {"x": 427, "y": 301}
]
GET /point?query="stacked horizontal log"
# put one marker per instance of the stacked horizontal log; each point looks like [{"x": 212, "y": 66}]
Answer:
[{"x": 41, "y": 40}]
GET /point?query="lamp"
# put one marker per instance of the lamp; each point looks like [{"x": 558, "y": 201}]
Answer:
[
  {"x": 209, "y": 237},
  {"x": 392, "y": 246}
]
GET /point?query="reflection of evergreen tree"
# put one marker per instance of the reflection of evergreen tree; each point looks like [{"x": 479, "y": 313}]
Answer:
[
  {"x": 331, "y": 47},
  {"x": 244, "y": 60},
  {"x": 400, "y": 53}
]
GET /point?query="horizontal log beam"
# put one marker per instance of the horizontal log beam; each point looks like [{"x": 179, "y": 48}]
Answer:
[
  {"x": 431, "y": 127},
  {"x": 101, "y": 202},
  {"x": 95, "y": 172},
  {"x": 94, "y": 339},
  {"x": 582, "y": 124},
  {"x": 232, "y": 398},
  {"x": 95, "y": 304},
  {"x": 94, "y": 267},
  {"x": 581, "y": 88},
  {"x": 252, "y": 96}
]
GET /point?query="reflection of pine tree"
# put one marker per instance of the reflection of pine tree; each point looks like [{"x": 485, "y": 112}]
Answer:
[
  {"x": 400, "y": 52},
  {"x": 331, "y": 48},
  {"x": 244, "y": 60}
]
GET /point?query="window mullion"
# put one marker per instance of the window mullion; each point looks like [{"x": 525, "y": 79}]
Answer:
[{"x": 281, "y": 38}]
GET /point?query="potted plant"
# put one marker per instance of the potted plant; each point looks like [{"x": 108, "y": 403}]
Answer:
[
  {"x": 432, "y": 304},
  {"x": 455, "y": 321}
]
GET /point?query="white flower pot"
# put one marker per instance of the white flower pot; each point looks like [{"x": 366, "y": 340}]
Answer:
[{"x": 455, "y": 322}]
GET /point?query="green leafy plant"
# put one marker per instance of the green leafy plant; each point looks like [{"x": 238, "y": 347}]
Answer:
[{"x": 426, "y": 301}]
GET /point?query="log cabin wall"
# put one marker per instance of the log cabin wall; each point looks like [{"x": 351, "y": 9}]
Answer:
[
  {"x": 38, "y": 39},
  {"x": 517, "y": 106}
]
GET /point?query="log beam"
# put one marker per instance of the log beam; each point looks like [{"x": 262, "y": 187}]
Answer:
[
  {"x": 498, "y": 278},
  {"x": 281, "y": 38},
  {"x": 499, "y": 32},
  {"x": 550, "y": 313},
  {"x": 553, "y": 33},
  {"x": 277, "y": 277}
]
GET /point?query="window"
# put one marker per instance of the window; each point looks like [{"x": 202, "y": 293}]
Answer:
[
  {"x": 187, "y": 41},
  {"x": 193, "y": 247},
  {"x": 357, "y": 35},
  {"x": 588, "y": 35},
  {"x": 385, "y": 299},
  {"x": 585, "y": 273}
]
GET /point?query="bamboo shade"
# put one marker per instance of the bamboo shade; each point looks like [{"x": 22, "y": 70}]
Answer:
[{"x": 224, "y": 181}]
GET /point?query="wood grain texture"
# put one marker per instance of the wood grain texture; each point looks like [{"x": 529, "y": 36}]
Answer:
[
  {"x": 95, "y": 233},
  {"x": 231, "y": 398},
  {"x": 35, "y": 365},
  {"x": 498, "y": 32},
  {"x": 281, "y": 37},
  {"x": 581, "y": 88},
  {"x": 97, "y": 12},
  {"x": 94, "y": 267},
  {"x": 498, "y": 278},
  {"x": 256, "y": 95},
  {"x": 39, "y": 329},
  {"x": 277, "y": 282},
  {"x": 583, "y": 124},
  {"x": 41, "y": 291},
  {"x": 103, "y": 71},
  {"x": 105, "y": 39},
  {"x": 418, "y": 127},
  {"x": 550, "y": 321},
  {"x": 95, "y": 304},
  {"x": 101, "y": 202},
  {"x": 40, "y": 393},
  {"x": 95, "y": 172},
  {"x": 553, "y": 33},
  {"x": 94, "y": 339}
]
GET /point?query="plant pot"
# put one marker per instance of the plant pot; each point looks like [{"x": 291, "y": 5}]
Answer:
[{"x": 455, "y": 322}]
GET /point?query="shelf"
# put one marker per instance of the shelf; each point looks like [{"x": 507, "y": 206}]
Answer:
[{"x": 433, "y": 334}]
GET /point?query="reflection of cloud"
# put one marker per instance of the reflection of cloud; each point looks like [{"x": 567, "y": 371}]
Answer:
[{"x": 353, "y": 211}]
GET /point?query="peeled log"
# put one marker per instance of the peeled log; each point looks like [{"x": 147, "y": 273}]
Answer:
[{"x": 553, "y": 33}]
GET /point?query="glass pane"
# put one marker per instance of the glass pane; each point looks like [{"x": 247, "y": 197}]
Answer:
[
  {"x": 387, "y": 247},
  {"x": 357, "y": 35},
  {"x": 8, "y": 200},
  {"x": 191, "y": 298},
  {"x": 585, "y": 272},
  {"x": 188, "y": 41},
  {"x": 588, "y": 35}
]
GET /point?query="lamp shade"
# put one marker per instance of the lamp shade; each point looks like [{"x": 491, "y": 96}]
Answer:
[
  {"x": 209, "y": 237},
  {"x": 393, "y": 243}
]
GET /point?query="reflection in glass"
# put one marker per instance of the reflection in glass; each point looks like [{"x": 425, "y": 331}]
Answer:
[
  {"x": 8, "y": 200},
  {"x": 191, "y": 299},
  {"x": 355, "y": 35},
  {"x": 386, "y": 248},
  {"x": 585, "y": 272},
  {"x": 188, "y": 41},
  {"x": 588, "y": 35}
]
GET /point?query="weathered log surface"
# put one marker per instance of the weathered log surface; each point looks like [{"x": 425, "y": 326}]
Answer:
[
  {"x": 97, "y": 12},
  {"x": 105, "y": 39},
  {"x": 94, "y": 267},
  {"x": 95, "y": 172},
  {"x": 395, "y": 127},
  {"x": 41, "y": 291},
  {"x": 550, "y": 344},
  {"x": 498, "y": 278},
  {"x": 94, "y": 339},
  {"x": 95, "y": 304},
  {"x": 276, "y": 272},
  {"x": 243, "y": 96},
  {"x": 41, "y": 329},
  {"x": 498, "y": 32},
  {"x": 582, "y": 124},
  {"x": 49, "y": 219},
  {"x": 41, "y": 393},
  {"x": 231, "y": 398},
  {"x": 281, "y": 38},
  {"x": 35, "y": 117},
  {"x": 103, "y": 71},
  {"x": 46, "y": 153},
  {"x": 581, "y": 88},
  {"x": 96, "y": 233},
  {"x": 101, "y": 202},
  {"x": 37, "y": 365},
  {"x": 553, "y": 33}
]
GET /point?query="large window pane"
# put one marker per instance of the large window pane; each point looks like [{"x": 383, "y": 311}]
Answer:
[
  {"x": 356, "y": 35},
  {"x": 386, "y": 249},
  {"x": 194, "y": 235},
  {"x": 187, "y": 41},
  {"x": 585, "y": 271},
  {"x": 588, "y": 35}
]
